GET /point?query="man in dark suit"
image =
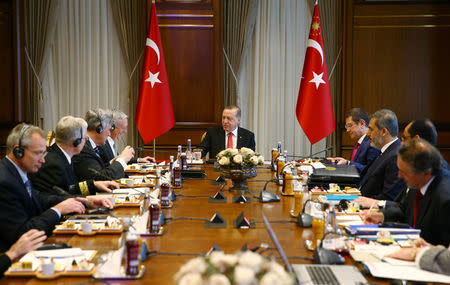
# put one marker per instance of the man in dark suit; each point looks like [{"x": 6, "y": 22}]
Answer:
[
  {"x": 363, "y": 154},
  {"x": 88, "y": 164},
  {"x": 229, "y": 135},
  {"x": 419, "y": 164},
  {"x": 109, "y": 150},
  {"x": 420, "y": 128},
  {"x": 58, "y": 169},
  {"x": 380, "y": 179},
  {"x": 21, "y": 206}
]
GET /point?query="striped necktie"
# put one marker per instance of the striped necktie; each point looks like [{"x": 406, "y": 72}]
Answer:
[{"x": 28, "y": 186}]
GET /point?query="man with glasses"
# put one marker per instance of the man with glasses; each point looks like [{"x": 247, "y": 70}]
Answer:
[
  {"x": 356, "y": 125},
  {"x": 88, "y": 164},
  {"x": 109, "y": 150},
  {"x": 21, "y": 206},
  {"x": 58, "y": 169}
]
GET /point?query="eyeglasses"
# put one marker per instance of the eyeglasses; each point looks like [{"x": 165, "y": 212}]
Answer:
[
  {"x": 348, "y": 126},
  {"x": 404, "y": 137}
]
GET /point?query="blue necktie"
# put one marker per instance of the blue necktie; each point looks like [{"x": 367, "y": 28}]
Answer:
[
  {"x": 97, "y": 151},
  {"x": 28, "y": 186}
]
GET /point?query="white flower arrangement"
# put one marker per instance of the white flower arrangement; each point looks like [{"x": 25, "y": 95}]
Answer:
[
  {"x": 241, "y": 158},
  {"x": 242, "y": 268}
]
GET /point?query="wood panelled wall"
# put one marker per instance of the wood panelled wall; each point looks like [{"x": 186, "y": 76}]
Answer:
[
  {"x": 191, "y": 34},
  {"x": 397, "y": 57},
  {"x": 11, "y": 108}
]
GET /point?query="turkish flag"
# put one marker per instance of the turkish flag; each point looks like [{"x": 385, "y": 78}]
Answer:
[
  {"x": 314, "y": 107},
  {"x": 154, "y": 111}
]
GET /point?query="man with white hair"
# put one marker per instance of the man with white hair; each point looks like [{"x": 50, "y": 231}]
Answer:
[
  {"x": 22, "y": 207},
  {"x": 88, "y": 164},
  {"x": 58, "y": 169},
  {"x": 109, "y": 150}
]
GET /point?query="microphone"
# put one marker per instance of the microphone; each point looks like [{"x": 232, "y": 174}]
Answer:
[
  {"x": 323, "y": 150},
  {"x": 266, "y": 196},
  {"x": 59, "y": 191},
  {"x": 101, "y": 175},
  {"x": 326, "y": 256}
]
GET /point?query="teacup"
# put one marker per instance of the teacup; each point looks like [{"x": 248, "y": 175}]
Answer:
[
  {"x": 86, "y": 227},
  {"x": 48, "y": 268}
]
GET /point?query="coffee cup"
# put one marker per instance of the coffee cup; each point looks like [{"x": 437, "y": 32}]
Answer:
[
  {"x": 113, "y": 200},
  {"x": 48, "y": 268},
  {"x": 86, "y": 227}
]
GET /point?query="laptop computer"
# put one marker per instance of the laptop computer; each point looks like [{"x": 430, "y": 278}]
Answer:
[
  {"x": 332, "y": 173},
  {"x": 312, "y": 274}
]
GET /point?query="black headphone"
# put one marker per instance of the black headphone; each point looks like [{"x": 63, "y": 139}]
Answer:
[
  {"x": 78, "y": 141},
  {"x": 19, "y": 151},
  {"x": 99, "y": 128}
]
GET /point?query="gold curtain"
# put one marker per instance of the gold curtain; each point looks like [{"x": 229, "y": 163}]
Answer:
[
  {"x": 130, "y": 18},
  {"x": 332, "y": 22},
  {"x": 39, "y": 22},
  {"x": 239, "y": 22}
]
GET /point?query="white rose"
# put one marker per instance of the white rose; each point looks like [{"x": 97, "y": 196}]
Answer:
[
  {"x": 237, "y": 158},
  {"x": 224, "y": 160},
  {"x": 244, "y": 276},
  {"x": 269, "y": 279},
  {"x": 196, "y": 265},
  {"x": 218, "y": 279},
  {"x": 247, "y": 151},
  {"x": 261, "y": 159},
  {"x": 191, "y": 279},
  {"x": 222, "y": 261},
  {"x": 233, "y": 151},
  {"x": 275, "y": 268},
  {"x": 251, "y": 260},
  {"x": 254, "y": 160}
]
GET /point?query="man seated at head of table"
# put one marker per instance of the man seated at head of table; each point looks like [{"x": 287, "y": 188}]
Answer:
[
  {"x": 27, "y": 242},
  {"x": 58, "y": 169},
  {"x": 88, "y": 164},
  {"x": 419, "y": 164},
  {"x": 229, "y": 135},
  {"x": 21, "y": 206},
  {"x": 109, "y": 150},
  {"x": 380, "y": 180},
  {"x": 421, "y": 128},
  {"x": 356, "y": 125}
]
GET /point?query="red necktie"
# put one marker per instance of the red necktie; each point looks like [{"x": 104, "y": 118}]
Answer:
[
  {"x": 230, "y": 140},
  {"x": 417, "y": 202},
  {"x": 355, "y": 149}
]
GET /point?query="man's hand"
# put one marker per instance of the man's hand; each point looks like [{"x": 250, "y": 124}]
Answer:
[
  {"x": 337, "y": 160},
  {"x": 126, "y": 154},
  {"x": 98, "y": 202},
  {"x": 146, "y": 159},
  {"x": 367, "y": 202},
  {"x": 71, "y": 205},
  {"x": 27, "y": 242},
  {"x": 371, "y": 217},
  {"x": 106, "y": 186}
]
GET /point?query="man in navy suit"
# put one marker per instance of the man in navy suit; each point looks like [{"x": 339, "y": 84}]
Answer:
[
  {"x": 58, "y": 169},
  {"x": 380, "y": 178},
  {"x": 229, "y": 135},
  {"x": 88, "y": 164},
  {"x": 419, "y": 164},
  {"x": 109, "y": 150},
  {"x": 21, "y": 206},
  {"x": 363, "y": 154}
]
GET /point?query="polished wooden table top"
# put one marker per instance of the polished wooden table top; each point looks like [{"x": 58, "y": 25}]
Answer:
[{"x": 191, "y": 236}]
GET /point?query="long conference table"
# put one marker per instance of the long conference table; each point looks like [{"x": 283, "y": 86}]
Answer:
[{"x": 191, "y": 236}]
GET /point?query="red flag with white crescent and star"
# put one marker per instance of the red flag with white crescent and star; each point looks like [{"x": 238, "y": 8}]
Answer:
[
  {"x": 314, "y": 106},
  {"x": 154, "y": 111}
]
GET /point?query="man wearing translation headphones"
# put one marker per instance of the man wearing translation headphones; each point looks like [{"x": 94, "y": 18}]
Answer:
[
  {"x": 88, "y": 164},
  {"x": 58, "y": 170},
  {"x": 21, "y": 206}
]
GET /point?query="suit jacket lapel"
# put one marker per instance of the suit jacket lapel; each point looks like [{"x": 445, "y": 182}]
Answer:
[
  {"x": 222, "y": 138},
  {"x": 425, "y": 204},
  {"x": 69, "y": 167},
  {"x": 28, "y": 203},
  {"x": 361, "y": 148},
  {"x": 90, "y": 150},
  {"x": 239, "y": 139}
]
